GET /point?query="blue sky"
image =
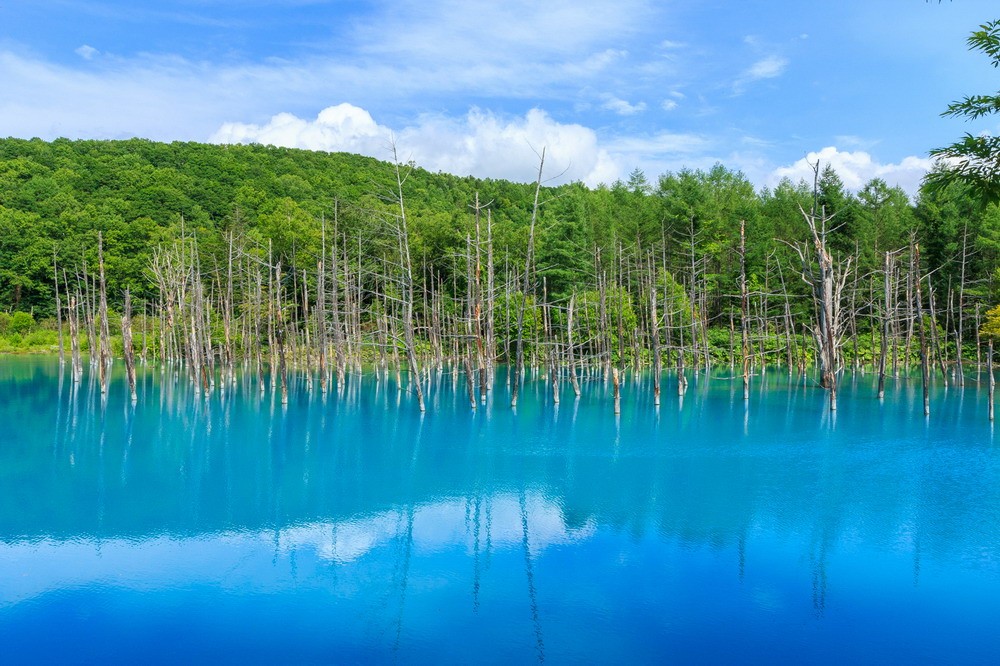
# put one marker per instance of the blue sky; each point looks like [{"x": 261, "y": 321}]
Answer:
[{"x": 477, "y": 88}]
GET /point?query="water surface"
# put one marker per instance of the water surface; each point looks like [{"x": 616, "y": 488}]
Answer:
[{"x": 349, "y": 528}]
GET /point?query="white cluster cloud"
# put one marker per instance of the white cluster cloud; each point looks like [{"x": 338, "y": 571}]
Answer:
[
  {"x": 343, "y": 127},
  {"x": 856, "y": 168},
  {"x": 480, "y": 143},
  {"x": 164, "y": 561},
  {"x": 490, "y": 145}
]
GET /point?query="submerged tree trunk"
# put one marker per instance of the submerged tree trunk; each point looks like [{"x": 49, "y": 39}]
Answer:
[
  {"x": 744, "y": 306},
  {"x": 992, "y": 382},
  {"x": 519, "y": 348},
  {"x": 827, "y": 283},
  {"x": 59, "y": 323},
  {"x": 104, "y": 355},
  {"x": 407, "y": 290},
  {"x": 127, "y": 350},
  {"x": 654, "y": 334},
  {"x": 924, "y": 369},
  {"x": 887, "y": 304}
]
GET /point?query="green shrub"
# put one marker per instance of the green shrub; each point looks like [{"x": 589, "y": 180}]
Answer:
[
  {"x": 48, "y": 324},
  {"x": 41, "y": 338},
  {"x": 21, "y": 323},
  {"x": 4, "y": 322}
]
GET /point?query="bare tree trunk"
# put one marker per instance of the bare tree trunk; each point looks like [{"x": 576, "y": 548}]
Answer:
[
  {"x": 991, "y": 380},
  {"x": 59, "y": 322},
  {"x": 979, "y": 357},
  {"x": 569, "y": 347},
  {"x": 960, "y": 319},
  {"x": 127, "y": 350},
  {"x": 827, "y": 283},
  {"x": 227, "y": 315},
  {"x": 104, "y": 355},
  {"x": 924, "y": 370},
  {"x": 519, "y": 349},
  {"x": 74, "y": 332},
  {"x": 491, "y": 343},
  {"x": 681, "y": 378},
  {"x": 884, "y": 351},
  {"x": 89, "y": 316},
  {"x": 482, "y": 346},
  {"x": 615, "y": 384},
  {"x": 934, "y": 333},
  {"x": 472, "y": 341},
  {"x": 693, "y": 302},
  {"x": 321, "y": 312},
  {"x": 654, "y": 334},
  {"x": 280, "y": 335},
  {"x": 339, "y": 347},
  {"x": 407, "y": 267},
  {"x": 744, "y": 306}
]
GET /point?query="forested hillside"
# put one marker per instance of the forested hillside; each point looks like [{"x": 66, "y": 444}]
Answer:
[
  {"x": 55, "y": 196},
  {"x": 274, "y": 213}
]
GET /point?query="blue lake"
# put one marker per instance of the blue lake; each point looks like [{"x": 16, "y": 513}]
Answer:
[{"x": 348, "y": 528}]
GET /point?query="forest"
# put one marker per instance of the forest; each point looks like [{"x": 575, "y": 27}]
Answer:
[{"x": 346, "y": 259}]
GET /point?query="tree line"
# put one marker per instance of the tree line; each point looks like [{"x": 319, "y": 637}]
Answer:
[{"x": 245, "y": 253}]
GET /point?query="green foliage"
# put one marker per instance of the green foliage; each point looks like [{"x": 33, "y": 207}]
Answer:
[
  {"x": 21, "y": 323},
  {"x": 619, "y": 315},
  {"x": 974, "y": 160},
  {"x": 506, "y": 319},
  {"x": 56, "y": 196},
  {"x": 991, "y": 324}
]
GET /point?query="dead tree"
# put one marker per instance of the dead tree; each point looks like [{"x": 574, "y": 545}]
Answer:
[
  {"x": 127, "y": 349},
  {"x": 959, "y": 337},
  {"x": 654, "y": 334},
  {"x": 104, "y": 343},
  {"x": 744, "y": 306},
  {"x": 569, "y": 347},
  {"x": 519, "y": 346},
  {"x": 934, "y": 332},
  {"x": 827, "y": 282},
  {"x": 991, "y": 380},
  {"x": 924, "y": 363},
  {"x": 886, "y": 323},
  {"x": 59, "y": 324},
  {"x": 73, "y": 315},
  {"x": 321, "y": 309},
  {"x": 406, "y": 265}
]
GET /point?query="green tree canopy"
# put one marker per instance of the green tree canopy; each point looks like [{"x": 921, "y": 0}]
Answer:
[{"x": 974, "y": 160}]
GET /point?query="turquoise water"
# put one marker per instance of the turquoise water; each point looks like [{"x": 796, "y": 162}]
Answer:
[{"x": 348, "y": 528}]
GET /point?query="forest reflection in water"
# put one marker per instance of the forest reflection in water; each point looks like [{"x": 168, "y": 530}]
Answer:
[{"x": 553, "y": 531}]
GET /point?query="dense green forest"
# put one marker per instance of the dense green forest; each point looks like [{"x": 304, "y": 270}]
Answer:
[
  {"x": 55, "y": 197},
  {"x": 675, "y": 240}
]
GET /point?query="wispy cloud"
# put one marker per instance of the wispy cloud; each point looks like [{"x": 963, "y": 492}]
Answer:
[
  {"x": 516, "y": 29},
  {"x": 399, "y": 58},
  {"x": 594, "y": 84},
  {"x": 622, "y": 107},
  {"x": 86, "y": 52},
  {"x": 769, "y": 67}
]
